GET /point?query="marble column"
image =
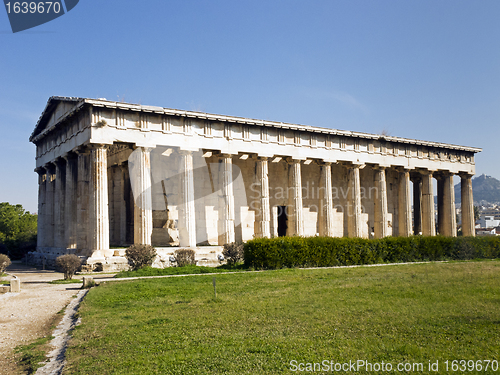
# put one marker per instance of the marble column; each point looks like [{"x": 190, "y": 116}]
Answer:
[
  {"x": 59, "y": 206},
  {"x": 50, "y": 202},
  {"x": 449, "y": 213},
  {"x": 42, "y": 186},
  {"x": 143, "y": 210},
  {"x": 122, "y": 170},
  {"x": 468, "y": 222},
  {"x": 99, "y": 215},
  {"x": 226, "y": 201},
  {"x": 353, "y": 209},
  {"x": 295, "y": 212},
  {"x": 428, "y": 215},
  {"x": 381, "y": 212},
  {"x": 187, "y": 219},
  {"x": 440, "y": 205},
  {"x": 83, "y": 201},
  {"x": 263, "y": 214},
  {"x": 70, "y": 213},
  {"x": 417, "y": 205},
  {"x": 404, "y": 204},
  {"x": 326, "y": 224}
]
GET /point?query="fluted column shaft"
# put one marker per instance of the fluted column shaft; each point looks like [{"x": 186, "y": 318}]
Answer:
[
  {"x": 449, "y": 213},
  {"x": 295, "y": 211},
  {"x": 353, "y": 209},
  {"x": 123, "y": 203},
  {"x": 50, "y": 202},
  {"x": 42, "y": 188},
  {"x": 83, "y": 200},
  {"x": 326, "y": 225},
  {"x": 70, "y": 214},
  {"x": 468, "y": 222},
  {"x": 404, "y": 204},
  {"x": 99, "y": 214},
  {"x": 143, "y": 210},
  {"x": 380, "y": 202},
  {"x": 59, "y": 206},
  {"x": 428, "y": 215},
  {"x": 187, "y": 220},
  {"x": 417, "y": 205},
  {"x": 226, "y": 201},
  {"x": 264, "y": 211}
]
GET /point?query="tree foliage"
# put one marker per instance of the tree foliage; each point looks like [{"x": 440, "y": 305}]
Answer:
[{"x": 17, "y": 230}]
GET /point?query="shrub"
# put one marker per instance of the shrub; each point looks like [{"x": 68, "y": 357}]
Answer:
[
  {"x": 233, "y": 252},
  {"x": 4, "y": 262},
  {"x": 69, "y": 264},
  {"x": 139, "y": 256},
  {"x": 184, "y": 257},
  {"x": 326, "y": 251}
]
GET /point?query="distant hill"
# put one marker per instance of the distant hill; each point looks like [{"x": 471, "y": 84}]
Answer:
[{"x": 484, "y": 188}]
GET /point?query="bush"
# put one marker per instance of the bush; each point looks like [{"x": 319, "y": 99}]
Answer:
[
  {"x": 4, "y": 262},
  {"x": 233, "y": 252},
  {"x": 69, "y": 264},
  {"x": 265, "y": 253},
  {"x": 139, "y": 256},
  {"x": 184, "y": 257}
]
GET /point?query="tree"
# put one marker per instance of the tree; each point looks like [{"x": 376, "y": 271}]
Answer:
[{"x": 17, "y": 229}]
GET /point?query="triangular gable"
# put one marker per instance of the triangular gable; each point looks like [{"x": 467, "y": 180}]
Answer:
[{"x": 56, "y": 108}]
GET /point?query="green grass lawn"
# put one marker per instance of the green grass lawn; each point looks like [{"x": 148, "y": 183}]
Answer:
[
  {"x": 186, "y": 270},
  {"x": 261, "y": 322}
]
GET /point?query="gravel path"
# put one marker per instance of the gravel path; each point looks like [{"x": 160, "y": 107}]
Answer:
[{"x": 28, "y": 315}]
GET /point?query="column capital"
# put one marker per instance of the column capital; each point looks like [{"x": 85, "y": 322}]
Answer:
[
  {"x": 465, "y": 174},
  {"x": 95, "y": 146},
  {"x": 40, "y": 170},
  {"x": 69, "y": 156},
  {"x": 82, "y": 150}
]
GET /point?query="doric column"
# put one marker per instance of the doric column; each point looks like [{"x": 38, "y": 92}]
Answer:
[
  {"x": 263, "y": 214},
  {"x": 83, "y": 201},
  {"x": 380, "y": 202},
  {"x": 404, "y": 204},
  {"x": 70, "y": 214},
  {"x": 50, "y": 201},
  {"x": 99, "y": 216},
  {"x": 326, "y": 225},
  {"x": 187, "y": 220},
  {"x": 143, "y": 210},
  {"x": 41, "y": 231},
  {"x": 440, "y": 205},
  {"x": 468, "y": 222},
  {"x": 428, "y": 216},
  {"x": 226, "y": 201},
  {"x": 295, "y": 212},
  {"x": 353, "y": 209},
  {"x": 449, "y": 214},
  {"x": 59, "y": 206},
  {"x": 122, "y": 170},
  {"x": 417, "y": 205}
]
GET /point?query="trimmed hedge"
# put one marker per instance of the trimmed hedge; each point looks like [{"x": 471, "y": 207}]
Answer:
[{"x": 282, "y": 252}]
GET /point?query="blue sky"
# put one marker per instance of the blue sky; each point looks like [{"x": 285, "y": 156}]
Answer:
[{"x": 417, "y": 69}]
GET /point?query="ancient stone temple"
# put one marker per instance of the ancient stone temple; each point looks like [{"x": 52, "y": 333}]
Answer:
[{"x": 113, "y": 174}]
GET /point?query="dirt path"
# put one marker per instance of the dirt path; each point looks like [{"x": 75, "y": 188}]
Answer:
[{"x": 27, "y": 315}]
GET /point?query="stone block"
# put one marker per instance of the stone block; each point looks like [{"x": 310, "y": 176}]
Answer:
[{"x": 15, "y": 285}]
